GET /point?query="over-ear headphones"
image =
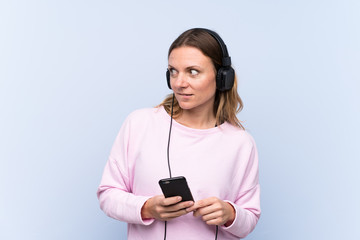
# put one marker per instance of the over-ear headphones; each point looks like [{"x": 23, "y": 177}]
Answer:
[{"x": 225, "y": 75}]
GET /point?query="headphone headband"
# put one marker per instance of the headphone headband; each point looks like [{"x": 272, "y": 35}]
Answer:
[{"x": 226, "y": 60}]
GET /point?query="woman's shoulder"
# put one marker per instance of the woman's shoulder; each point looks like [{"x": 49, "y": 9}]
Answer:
[
  {"x": 238, "y": 134},
  {"x": 144, "y": 112},
  {"x": 144, "y": 115}
]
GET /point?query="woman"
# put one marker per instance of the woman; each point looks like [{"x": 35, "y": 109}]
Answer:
[{"x": 209, "y": 146}]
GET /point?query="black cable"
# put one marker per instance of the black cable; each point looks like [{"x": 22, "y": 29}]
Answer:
[
  {"x": 216, "y": 233},
  {"x": 168, "y": 160},
  {"x": 168, "y": 146}
]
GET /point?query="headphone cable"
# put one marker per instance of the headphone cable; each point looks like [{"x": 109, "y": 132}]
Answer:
[
  {"x": 217, "y": 229},
  {"x": 168, "y": 160},
  {"x": 168, "y": 146}
]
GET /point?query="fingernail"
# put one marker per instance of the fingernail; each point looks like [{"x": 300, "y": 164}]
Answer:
[{"x": 179, "y": 198}]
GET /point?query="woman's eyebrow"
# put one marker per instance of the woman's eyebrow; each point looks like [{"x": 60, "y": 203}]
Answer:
[
  {"x": 189, "y": 67},
  {"x": 169, "y": 66},
  {"x": 193, "y": 66}
]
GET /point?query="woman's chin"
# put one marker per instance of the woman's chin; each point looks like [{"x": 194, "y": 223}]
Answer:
[{"x": 186, "y": 106}]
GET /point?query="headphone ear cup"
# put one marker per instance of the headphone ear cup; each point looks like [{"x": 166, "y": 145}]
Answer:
[
  {"x": 225, "y": 78},
  {"x": 168, "y": 78}
]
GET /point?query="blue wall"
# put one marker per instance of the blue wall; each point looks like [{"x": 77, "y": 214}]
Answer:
[{"x": 71, "y": 71}]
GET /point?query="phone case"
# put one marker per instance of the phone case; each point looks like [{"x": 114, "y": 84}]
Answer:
[{"x": 176, "y": 186}]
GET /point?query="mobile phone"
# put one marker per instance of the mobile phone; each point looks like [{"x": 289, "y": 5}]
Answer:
[{"x": 176, "y": 186}]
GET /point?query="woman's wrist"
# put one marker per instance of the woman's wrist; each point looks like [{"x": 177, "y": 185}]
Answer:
[
  {"x": 145, "y": 213},
  {"x": 232, "y": 215}
]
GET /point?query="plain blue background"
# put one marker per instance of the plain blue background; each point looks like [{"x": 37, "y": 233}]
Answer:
[{"x": 71, "y": 71}]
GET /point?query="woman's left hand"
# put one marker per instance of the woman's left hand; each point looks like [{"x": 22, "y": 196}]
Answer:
[{"x": 213, "y": 211}]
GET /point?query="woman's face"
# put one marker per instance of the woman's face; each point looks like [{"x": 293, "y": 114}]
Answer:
[{"x": 192, "y": 78}]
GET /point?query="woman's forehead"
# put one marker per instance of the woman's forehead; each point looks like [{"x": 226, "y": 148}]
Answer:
[{"x": 188, "y": 56}]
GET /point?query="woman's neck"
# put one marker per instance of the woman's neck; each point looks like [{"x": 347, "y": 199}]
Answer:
[{"x": 197, "y": 120}]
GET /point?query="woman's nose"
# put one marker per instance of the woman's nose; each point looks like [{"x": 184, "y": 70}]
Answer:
[{"x": 180, "y": 81}]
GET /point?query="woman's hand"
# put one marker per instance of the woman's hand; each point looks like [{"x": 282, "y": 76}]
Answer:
[
  {"x": 164, "y": 209},
  {"x": 214, "y": 211}
]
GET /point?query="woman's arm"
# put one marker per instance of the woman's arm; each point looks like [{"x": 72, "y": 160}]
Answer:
[
  {"x": 115, "y": 190},
  {"x": 240, "y": 214},
  {"x": 116, "y": 200}
]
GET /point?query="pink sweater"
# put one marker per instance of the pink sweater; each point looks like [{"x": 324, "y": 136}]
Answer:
[{"x": 221, "y": 162}]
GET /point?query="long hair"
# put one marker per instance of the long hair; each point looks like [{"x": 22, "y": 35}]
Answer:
[{"x": 227, "y": 103}]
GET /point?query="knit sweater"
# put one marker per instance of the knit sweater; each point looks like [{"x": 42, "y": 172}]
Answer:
[{"x": 220, "y": 162}]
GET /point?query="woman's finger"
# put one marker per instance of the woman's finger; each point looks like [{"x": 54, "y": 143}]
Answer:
[{"x": 179, "y": 206}]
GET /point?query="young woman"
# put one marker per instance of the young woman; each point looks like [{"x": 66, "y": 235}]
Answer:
[{"x": 208, "y": 146}]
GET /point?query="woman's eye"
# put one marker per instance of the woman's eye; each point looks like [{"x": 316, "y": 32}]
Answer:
[
  {"x": 194, "y": 72},
  {"x": 172, "y": 71}
]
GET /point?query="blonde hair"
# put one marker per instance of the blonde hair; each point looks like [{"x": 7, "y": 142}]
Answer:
[{"x": 227, "y": 103}]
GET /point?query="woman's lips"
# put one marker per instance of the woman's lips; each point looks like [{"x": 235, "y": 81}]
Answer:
[{"x": 184, "y": 95}]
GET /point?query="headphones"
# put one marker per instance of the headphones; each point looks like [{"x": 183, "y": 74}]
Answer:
[{"x": 225, "y": 75}]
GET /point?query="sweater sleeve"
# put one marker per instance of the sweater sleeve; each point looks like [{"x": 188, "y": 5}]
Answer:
[
  {"x": 114, "y": 192},
  {"x": 247, "y": 203}
]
